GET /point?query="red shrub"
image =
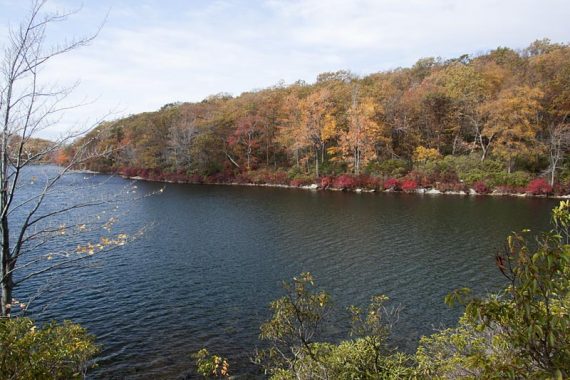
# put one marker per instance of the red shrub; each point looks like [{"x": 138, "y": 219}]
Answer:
[
  {"x": 421, "y": 179},
  {"x": 144, "y": 173},
  {"x": 179, "y": 176},
  {"x": 345, "y": 182},
  {"x": 297, "y": 182},
  {"x": 369, "y": 182},
  {"x": 409, "y": 185},
  {"x": 561, "y": 188},
  {"x": 280, "y": 178},
  {"x": 195, "y": 178},
  {"x": 392, "y": 183},
  {"x": 129, "y": 172},
  {"x": 481, "y": 187},
  {"x": 243, "y": 178},
  {"x": 156, "y": 175},
  {"x": 327, "y": 182},
  {"x": 539, "y": 186}
]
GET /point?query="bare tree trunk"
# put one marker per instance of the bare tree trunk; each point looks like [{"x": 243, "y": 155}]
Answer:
[
  {"x": 559, "y": 136},
  {"x": 27, "y": 109},
  {"x": 454, "y": 147},
  {"x": 7, "y": 283},
  {"x": 317, "y": 162},
  {"x": 553, "y": 172}
]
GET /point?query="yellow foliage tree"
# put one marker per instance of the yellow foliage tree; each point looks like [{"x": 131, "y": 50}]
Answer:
[
  {"x": 423, "y": 154},
  {"x": 512, "y": 123},
  {"x": 359, "y": 142}
]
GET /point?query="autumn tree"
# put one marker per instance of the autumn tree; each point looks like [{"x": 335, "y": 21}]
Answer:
[
  {"x": 364, "y": 132},
  {"x": 270, "y": 117},
  {"x": 550, "y": 69},
  {"x": 512, "y": 123},
  {"x": 315, "y": 113},
  {"x": 245, "y": 137},
  {"x": 181, "y": 137},
  {"x": 289, "y": 130}
]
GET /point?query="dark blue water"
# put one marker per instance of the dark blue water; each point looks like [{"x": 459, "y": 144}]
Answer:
[{"x": 213, "y": 257}]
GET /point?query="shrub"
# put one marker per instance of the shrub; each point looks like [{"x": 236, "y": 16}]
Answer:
[
  {"x": 392, "y": 167},
  {"x": 178, "y": 176},
  {"x": 561, "y": 188},
  {"x": 210, "y": 366},
  {"x": 144, "y": 173},
  {"x": 156, "y": 175},
  {"x": 280, "y": 178},
  {"x": 300, "y": 181},
  {"x": 266, "y": 176},
  {"x": 369, "y": 182},
  {"x": 392, "y": 183},
  {"x": 295, "y": 352},
  {"x": 481, "y": 187},
  {"x": 52, "y": 351},
  {"x": 243, "y": 178},
  {"x": 345, "y": 182},
  {"x": 195, "y": 178},
  {"x": 521, "y": 332},
  {"x": 129, "y": 172},
  {"x": 420, "y": 178},
  {"x": 409, "y": 185},
  {"x": 517, "y": 179},
  {"x": 450, "y": 186},
  {"x": 473, "y": 176},
  {"x": 327, "y": 182},
  {"x": 539, "y": 186},
  {"x": 294, "y": 172},
  {"x": 506, "y": 189}
]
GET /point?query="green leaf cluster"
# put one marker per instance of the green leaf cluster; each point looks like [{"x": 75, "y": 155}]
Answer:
[{"x": 52, "y": 351}]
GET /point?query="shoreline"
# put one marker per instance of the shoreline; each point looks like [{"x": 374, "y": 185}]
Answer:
[{"x": 315, "y": 187}]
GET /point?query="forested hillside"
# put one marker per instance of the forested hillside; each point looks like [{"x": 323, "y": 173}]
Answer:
[{"x": 492, "y": 121}]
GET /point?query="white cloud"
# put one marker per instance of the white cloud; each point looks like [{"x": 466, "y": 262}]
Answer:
[{"x": 151, "y": 53}]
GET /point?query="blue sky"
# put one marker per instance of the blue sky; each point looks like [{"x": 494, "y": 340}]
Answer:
[{"x": 152, "y": 52}]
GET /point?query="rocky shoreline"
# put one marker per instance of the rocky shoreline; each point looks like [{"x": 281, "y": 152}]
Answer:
[{"x": 316, "y": 187}]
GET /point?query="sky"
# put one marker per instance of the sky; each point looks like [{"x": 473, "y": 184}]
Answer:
[{"x": 153, "y": 52}]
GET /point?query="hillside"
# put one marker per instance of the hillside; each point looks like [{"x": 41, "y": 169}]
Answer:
[{"x": 492, "y": 121}]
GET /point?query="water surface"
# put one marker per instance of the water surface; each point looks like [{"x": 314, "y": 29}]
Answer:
[{"x": 203, "y": 275}]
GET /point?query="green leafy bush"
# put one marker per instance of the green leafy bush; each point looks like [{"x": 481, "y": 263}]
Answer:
[
  {"x": 211, "y": 366},
  {"x": 389, "y": 168},
  {"x": 54, "y": 351},
  {"x": 521, "y": 332},
  {"x": 517, "y": 179},
  {"x": 295, "y": 351}
]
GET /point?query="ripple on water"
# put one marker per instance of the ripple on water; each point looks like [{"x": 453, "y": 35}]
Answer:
[{"x": 204, "y": 274}]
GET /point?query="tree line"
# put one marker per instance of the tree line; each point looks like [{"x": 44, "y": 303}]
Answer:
[{"x": 505, "y": 112}]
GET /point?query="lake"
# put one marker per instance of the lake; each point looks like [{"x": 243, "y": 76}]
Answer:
[{"x": 213, "y": 257}]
